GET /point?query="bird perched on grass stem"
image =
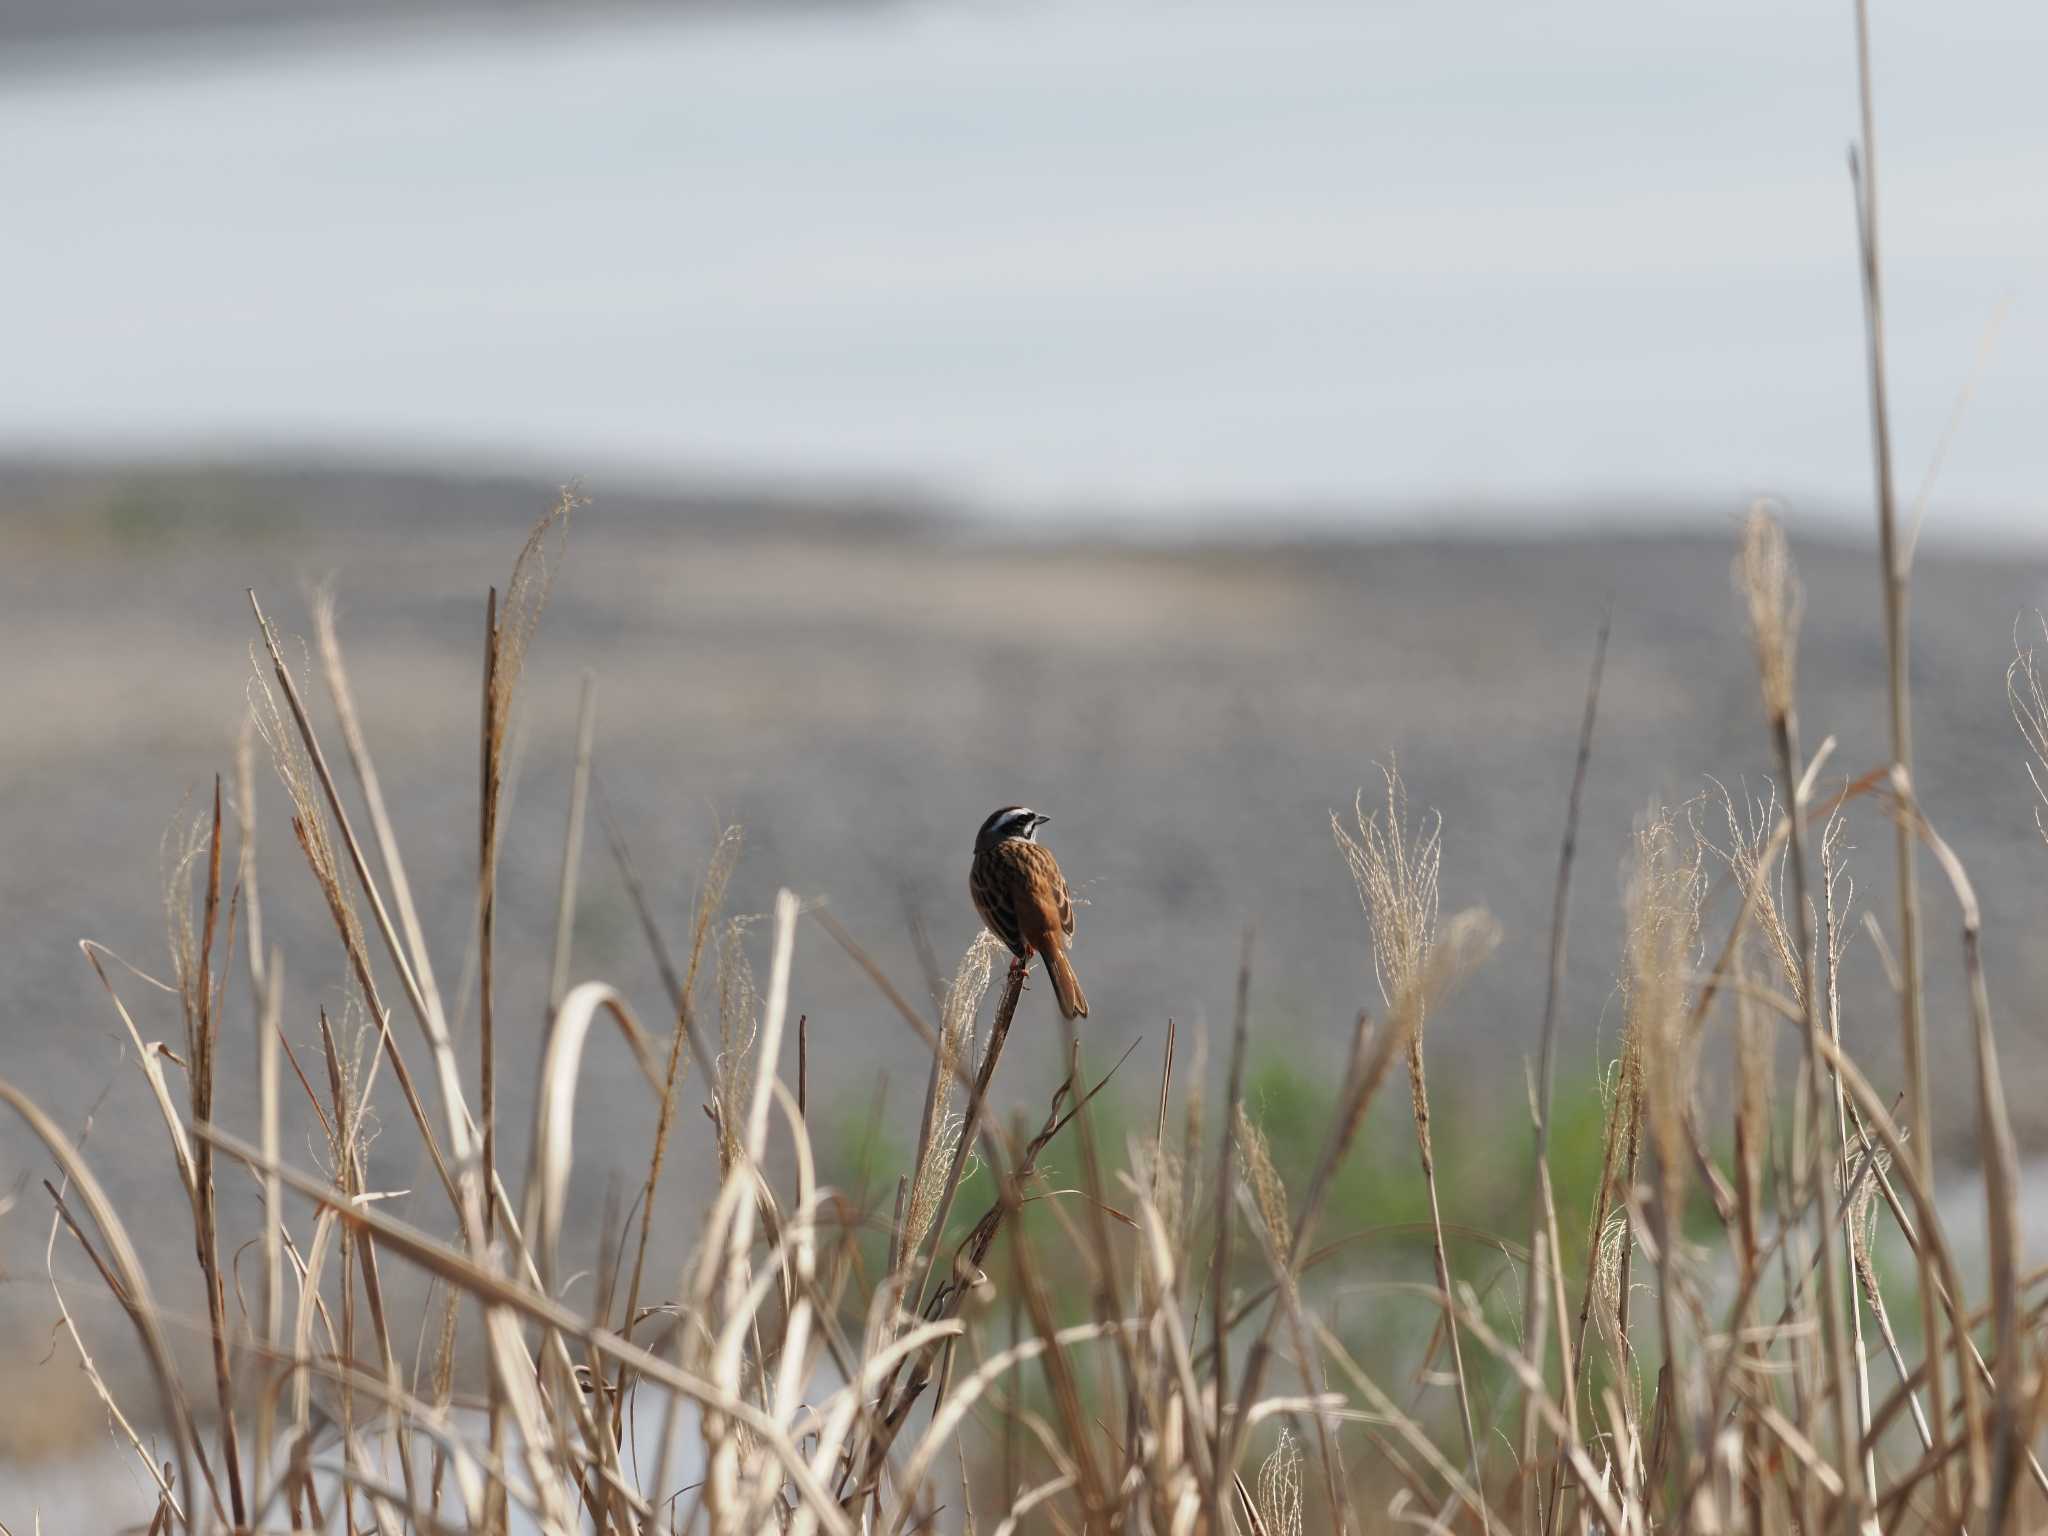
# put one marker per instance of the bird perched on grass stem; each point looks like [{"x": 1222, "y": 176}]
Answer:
[{"x": 1020, "y": 893}]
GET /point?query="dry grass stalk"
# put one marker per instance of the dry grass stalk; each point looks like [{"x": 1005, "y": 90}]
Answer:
[
  {"x": 508, "y": 633},
  {"x": 1894, "y": 576},
  {"x": 2000, "y": 1159},
  {"x": 1662, "y": 901},
  {"x": 62, "y": 1219},
  {"x": 1543, "y": 1226},
  {"x": 299, "y": 762},
  {"x": 944, "y": 1127},
  {"x": 130, "y": 1285},
  {"x": 416, "y": 959},
  {"x": 682, "y": 991},
  {"x": 572, "y": 844},
  {"x": 1396, "y": 868},
  {"x": 1770, "y": 586},
  {"x": 1466, "y": 939},
  {"x": 199, "y": 993},
  {"x": 1838, "y": 894},
  {"x": 1753, "y": 1092},
  {"x": 1221, "y": 1455}
]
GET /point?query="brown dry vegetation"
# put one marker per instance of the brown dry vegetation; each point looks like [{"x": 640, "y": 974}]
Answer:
[
  {"x": 1100, "y": 1355},
  {"x": 1146, "y": 1340}
]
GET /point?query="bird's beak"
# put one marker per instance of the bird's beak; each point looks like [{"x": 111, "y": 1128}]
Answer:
[{"x": 1039, "y": 821}]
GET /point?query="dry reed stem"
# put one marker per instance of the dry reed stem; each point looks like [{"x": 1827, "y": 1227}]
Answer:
[
  {"x": 269, "y": 1025},
  {"x": 1543, "y": 1216},
  {"x": 507, "y": 636},
  {"x": 1894, "y": 574},
  {"x": 572, "y": 843},
  {"x": 1834, "y": 941},
  {"x": 899, "y": 1397},
  {"x": 1221, "y": 1455},
  {"x": 1771, "y": 587},
  {"x": 138, "y": 1300},
  {"x": 1410, "y": 1432},
  {"x": 967, "y": 1261},
  {"x": 1652, "y": 1095},
  {"x": 194, "y": 966},
  {"x": 1101, "y": 1252},
  {"x": 148, "y": 1058},
  {"x": 1396, "y": 869},
  {"x": 681, "y": 988},
  {"x": 296, "y": 769},
  {"x": 61, "y": 1217},
  {"x": 416, "y": 955},
  {"x": 1474, "y": 1321},
  {"x": 1466, "y": 939},
  {"x": 2000, "y": 1158},
  {"x": 507, "y": 1297}
]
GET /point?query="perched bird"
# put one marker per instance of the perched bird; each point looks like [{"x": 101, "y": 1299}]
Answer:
[{"x": 1020, "y": 893}]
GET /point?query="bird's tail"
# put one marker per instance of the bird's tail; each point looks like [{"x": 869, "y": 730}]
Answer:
[{"x": 1066, "y": 985}]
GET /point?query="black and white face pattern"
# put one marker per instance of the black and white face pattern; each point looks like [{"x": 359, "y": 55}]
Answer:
[{"x": 1010, "y": 821}]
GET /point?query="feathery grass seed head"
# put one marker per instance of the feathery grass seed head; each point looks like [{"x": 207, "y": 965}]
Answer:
[
  {"x": 957, "y": 1014},
  {"x": 1279, "y": 1490},
  {"x": 1765, "y": 577},
  {"x": 1268, "y": 1193},
  {"x": 1395, "y": 866},
  {"x": 1664, "y": 892},
  {"x": 309, "y": 818},
  {"x": 739, "y": 1019},
  {"x": 1759, "y": 874},
  {"x": 2028, "y": 696},
  {"x": 526, "y": 594},
  {"x": 184, "y": 845}
]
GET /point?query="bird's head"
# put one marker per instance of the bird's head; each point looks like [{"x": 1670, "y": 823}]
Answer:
[{"x": 1010, "y": 821}]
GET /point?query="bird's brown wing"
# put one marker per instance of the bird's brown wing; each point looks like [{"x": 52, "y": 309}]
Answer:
[
  {"x": 994, "y": 882},
  {"x": 1045, "y": 916},
  {"x": 1044, "y": 911}
]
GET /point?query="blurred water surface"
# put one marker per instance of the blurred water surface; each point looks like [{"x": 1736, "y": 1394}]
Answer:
[{"x": 1295, "y": 259}]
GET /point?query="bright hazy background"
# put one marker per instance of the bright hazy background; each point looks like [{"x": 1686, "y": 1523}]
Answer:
[{"x": 1320, "y": 259}]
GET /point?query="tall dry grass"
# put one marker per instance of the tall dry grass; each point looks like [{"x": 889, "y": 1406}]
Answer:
[{"x": 1011, "y": 1353}]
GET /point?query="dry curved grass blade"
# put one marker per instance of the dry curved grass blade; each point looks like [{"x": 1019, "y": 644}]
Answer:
[
  {"x": 495, "y": 1291},
  {"x": 736, "y": 1237},
  {"x": 146, "y": 1057},
  {"x": 1031, "y": 1499},
  {"x": 554, "y": 1110},
  {"x": 298, "y": 768},
  {"x": 328, "y": 641},
  {"x": 62, "y": 1217},
  {"x": 127, "y": 1266},
  {"x": 946, "y": 1419},
  {"x": 1466, "y": 940},
  {"x": 2000, "y": 1157}
]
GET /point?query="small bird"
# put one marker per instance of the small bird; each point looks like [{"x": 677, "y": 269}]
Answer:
[{"x": 1020, "y": 893}]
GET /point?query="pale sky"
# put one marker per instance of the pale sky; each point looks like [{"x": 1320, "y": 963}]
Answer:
[{"x": 1139, "y": 257}]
